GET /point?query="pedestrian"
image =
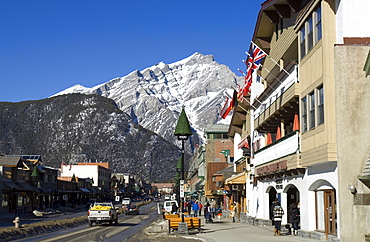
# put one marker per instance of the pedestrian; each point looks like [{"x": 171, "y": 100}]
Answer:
[
  {"x": 213, "y": 206},
  {"x": 232, "y": 211},
  {"x": 219, "y": 214},
  {"x": 189, "y": 207},
  {"x": 196, "y": 208},
  {"x": 278, "y": 216},
  {"x": 273, "y": 204},
  {"x": 200, "y": 209},
  {"x": 208, "y": 213},
  {"x": 174, "y": 208},
  {"x": 294, "y": 217}
]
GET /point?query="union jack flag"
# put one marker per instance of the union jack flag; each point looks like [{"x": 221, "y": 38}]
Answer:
[{"x": 255, "y": 57}]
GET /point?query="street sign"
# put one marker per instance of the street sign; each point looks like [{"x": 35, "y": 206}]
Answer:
[{"x": 182, "y": 193}]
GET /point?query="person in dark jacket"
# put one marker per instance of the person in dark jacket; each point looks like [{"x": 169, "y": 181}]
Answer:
[
  {"x": 294, "y": 218},
  {"x": 174, "y": 208},
  {"x": 278, "y": 217}
]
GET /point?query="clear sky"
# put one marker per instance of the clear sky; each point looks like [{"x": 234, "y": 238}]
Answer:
[{"x": 47, "y": 46}]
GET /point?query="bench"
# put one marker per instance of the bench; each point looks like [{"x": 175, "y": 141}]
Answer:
[
  {"x": 169, "y": 216},
  {"x": 193, "y": 223}
]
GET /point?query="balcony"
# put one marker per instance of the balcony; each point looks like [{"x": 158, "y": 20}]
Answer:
[
  {"x": 279, "y": 101},
  {"x": 285, "y": 146}
]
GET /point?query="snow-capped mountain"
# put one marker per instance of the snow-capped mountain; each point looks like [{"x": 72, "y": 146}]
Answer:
[{"x": 153, "y": 97}]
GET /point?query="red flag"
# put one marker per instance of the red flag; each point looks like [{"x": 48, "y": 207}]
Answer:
[
  {"x": 228, "y": 106},
  {"x": 225, "y": 109}
]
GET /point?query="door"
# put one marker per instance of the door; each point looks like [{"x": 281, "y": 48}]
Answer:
[{"x": 326, "y": 212}]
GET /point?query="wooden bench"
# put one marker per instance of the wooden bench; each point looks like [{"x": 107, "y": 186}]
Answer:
[
  {"x": 193, "y": 223},
  {"x": 170, "y": 216}
]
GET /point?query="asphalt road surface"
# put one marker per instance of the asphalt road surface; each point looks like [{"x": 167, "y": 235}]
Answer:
[{"x": 128, "y": 226}]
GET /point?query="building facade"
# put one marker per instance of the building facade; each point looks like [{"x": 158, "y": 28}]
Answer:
[{"x": 294, "y": 117}]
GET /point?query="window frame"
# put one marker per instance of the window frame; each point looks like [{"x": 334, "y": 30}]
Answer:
[
  {"x": 310, "y": 32},
  {"x": 312, "y": 110},
  {"x": 320, "y": 105},
  {"x": 304, "y": 114}
]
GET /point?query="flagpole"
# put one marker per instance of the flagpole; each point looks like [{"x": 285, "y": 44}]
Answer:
[
  {"x": 272, "y": 75},
  {"x": 274, "y": 61}
]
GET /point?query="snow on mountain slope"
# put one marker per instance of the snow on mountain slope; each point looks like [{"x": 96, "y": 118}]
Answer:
[{"x": 154, "y": 96}]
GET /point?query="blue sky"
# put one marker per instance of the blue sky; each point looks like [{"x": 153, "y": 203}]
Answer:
[{"x": 47, "y": 46}]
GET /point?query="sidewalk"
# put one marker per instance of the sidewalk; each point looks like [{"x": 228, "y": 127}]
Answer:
[{"x": 235, "y": 232}]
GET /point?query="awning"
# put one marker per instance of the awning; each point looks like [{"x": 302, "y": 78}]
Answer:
[
  {"x": 40, "y": 169},
  {"x": 240, "y": 178},
  {"x": 96, "y": 190},
  {"x": 9, "y": 185},
  {"x": 26, "y": 186},
  {"x": 43, "y": 190},
  {"x": 192, "y": 192},
  {"x": 84, "y": 190}
]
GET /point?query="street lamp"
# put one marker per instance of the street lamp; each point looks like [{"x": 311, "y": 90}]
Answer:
[{"x": 182, "y": 131}]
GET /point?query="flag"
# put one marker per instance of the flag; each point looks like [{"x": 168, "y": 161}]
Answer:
[
  {"x": 255, "y": 57},
  {"x": 225, "y": 108},
  {"x": 228, "y": 106}
]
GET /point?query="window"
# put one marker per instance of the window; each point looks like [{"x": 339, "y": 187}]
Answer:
[
  {"x": 312, "y": 109},
  {"x": 318, "y": 27},
  {"x": 311, "y": 97},
  {"x": 310, "y": 32},
  {"x": 303, "y": 42},
  {"x": 320, "y": 105},
  {"x": 304, "y": 114}
]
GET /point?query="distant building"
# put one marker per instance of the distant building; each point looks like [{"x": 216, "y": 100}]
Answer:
[
  {"x": 164, "y": 187},
  {"x": 99, "y": 172}
]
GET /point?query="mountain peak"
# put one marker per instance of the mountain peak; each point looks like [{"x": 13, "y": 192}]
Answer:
[{"x": 154, "y": 96}]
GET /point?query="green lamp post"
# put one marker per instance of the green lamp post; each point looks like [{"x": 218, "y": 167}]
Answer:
[{"x": 182, "y": 131}]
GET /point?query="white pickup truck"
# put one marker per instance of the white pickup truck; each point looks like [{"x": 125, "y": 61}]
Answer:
[{"x": 102, "y": 213}]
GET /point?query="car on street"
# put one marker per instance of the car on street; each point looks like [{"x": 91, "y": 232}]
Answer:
[
  {"x": 167, "y": 205},
  {"x": 126, "y": 201},
  {"x": 132, "y": 209},
  {"x": 102, "y": 213}
]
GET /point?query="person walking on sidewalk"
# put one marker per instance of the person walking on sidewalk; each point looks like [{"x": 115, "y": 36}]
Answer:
[
  {"x": 294, "y": 218},
  {"x": 174, "y": 208},
  {"x": 200, "y": 209},
  {"x": 196, "y": 209},
  {"x": 219, "y": 214},
  {"x": 272, "y": 210},
  {"x": 278, "y": 216},
  {"x": 232, "y": 211}
]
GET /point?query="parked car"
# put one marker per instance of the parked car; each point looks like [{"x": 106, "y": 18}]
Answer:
[
  {"x": 126, "y": 201},
  {"x": 167, "y": 205},
  {"x": 131, "y": 209}
]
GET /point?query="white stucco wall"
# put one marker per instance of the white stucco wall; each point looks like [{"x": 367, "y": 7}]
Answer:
[
  {"x": 352, "y": 19},
  {"x": 258, "y": 197}
]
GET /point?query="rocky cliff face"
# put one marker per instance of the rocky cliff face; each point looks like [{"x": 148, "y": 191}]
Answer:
[
  {"x": 76, "y": 127},
  {"x": 154, "y": 96}
]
